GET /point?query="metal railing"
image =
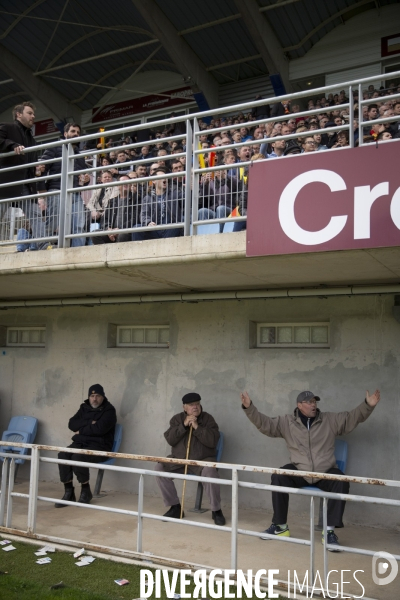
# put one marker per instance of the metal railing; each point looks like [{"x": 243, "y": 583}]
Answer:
[
  {"x": 208, "y": 189},
  {"x": 7, "y": 495}
]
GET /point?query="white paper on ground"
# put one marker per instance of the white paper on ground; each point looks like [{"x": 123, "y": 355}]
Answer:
[
  {"x": 79, "y": 553},
  {"x": 44, "y": 561},
  {"x": 48, "y": 549},
  {"x": 88, "y": 559},
  {"x": 8, "y": 548},
  {"x": 40, "y": 553},
  {"x": 4, "y": 542}
]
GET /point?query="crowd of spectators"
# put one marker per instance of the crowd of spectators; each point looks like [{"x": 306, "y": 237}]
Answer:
[{"x": 156, "y": 206}]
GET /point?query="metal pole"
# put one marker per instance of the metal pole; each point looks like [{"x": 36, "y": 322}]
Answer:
[
  {"x": 351, "y": 117},
  {"x": 63, "y": 196},
  {"x": 312, "y": 541},
  {"x": 139, "y": 544},
  {"x": 9, "y": 492},
  {"x": 68, "y": 196},
  {"x": 325, "y": 518},
  {"x": 33, "y": 490},
  {"x": 188, "y": 178},
  {"x": 3, "y": 489},
  {"x": 195, "y": 191},
  {"x": 12, "y": 222},
  {"x": 360, "y": 116},
  {"x": 234, "y": 534}
]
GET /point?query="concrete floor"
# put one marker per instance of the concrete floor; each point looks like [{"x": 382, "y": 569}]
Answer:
[{"x": 207, "y": 547}]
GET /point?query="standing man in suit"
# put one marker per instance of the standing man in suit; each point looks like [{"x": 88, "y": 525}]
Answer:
[{"x": 16, "y": 137}]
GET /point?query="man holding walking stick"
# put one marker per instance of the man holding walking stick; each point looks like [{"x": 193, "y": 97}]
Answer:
[{"x": 201, "y": 429}]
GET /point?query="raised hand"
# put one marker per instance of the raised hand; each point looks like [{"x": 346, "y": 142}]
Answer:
[
  {"x": 374, "y": 399},
  {"x": 245, "y": 398}
]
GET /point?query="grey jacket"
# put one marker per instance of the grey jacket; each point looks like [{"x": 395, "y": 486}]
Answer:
[{"x": 310, "y": 449}]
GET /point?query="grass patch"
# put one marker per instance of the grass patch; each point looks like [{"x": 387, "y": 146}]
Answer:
[{"x": 26, "y": 580}]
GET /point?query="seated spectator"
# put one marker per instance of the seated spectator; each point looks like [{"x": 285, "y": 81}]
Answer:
[
  {"x": 318, "y": 145},
  {"x": 160, "y": 207},
  {"x": 101, "y": 197},
  {"x": 236, "y": 137},
  {"x": 278, "y": 148},
  {"x": 244, "y": 134},
  {"x": 93, "y": 427},
  {"x": 217, "y": 196},
  {"x": 121, "y": 213},
  {"x": 122, "y": 158},
  {"x": 243, "y": 199},
  {"x": 308, "y": 144},
  {"x": 310, "y": 436},
  {"x": 383, "y": 136},
  {"x": 342, "y": 139}
]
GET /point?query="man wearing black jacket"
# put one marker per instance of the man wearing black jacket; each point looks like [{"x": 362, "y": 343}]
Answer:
[
  {"x": 71, "y": 131},
  {"x": 16, "y": 137},
  {"x": 93, "y": 426}
]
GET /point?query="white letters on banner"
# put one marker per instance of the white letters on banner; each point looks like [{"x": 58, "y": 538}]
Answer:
[{"x": 364, "y": 198}]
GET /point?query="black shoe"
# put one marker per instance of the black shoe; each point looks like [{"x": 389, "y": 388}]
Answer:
[
  {"x": 86, "y": 495},
  {"x": 275, "y": 530},
  {"x": 69, "y": 495},
  {"x": 333, "y": 540},
  {"x": 174, "y": 512},
  {"x": 218, "y": 517}
]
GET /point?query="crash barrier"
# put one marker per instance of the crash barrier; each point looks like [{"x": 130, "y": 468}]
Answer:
[{"x": 7, "y": 495}]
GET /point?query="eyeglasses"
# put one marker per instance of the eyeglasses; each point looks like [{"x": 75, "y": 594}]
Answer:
[{"x": 313, "y": 401}]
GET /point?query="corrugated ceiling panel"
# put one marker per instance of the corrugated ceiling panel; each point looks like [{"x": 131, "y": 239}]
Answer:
[{"x": 244, "y": 91}]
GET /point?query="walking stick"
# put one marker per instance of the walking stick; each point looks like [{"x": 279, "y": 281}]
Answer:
[{"x": 186, "y": 470}]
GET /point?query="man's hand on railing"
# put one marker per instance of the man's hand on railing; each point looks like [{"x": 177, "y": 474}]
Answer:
[
  {"x": 245, "y": 398},
  {"x": 374, "y": 399},
  {"x": 19, "y": 149}
]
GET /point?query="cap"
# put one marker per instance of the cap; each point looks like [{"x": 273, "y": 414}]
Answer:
[
  {"x": 307, "y": 396},
  {"x": 96, "y": 389},
  {"x": 191, "y": 397}
]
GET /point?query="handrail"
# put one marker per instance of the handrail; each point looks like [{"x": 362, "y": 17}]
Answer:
[
  {"x": 195, "y": 204},
  {"x": 7, "y": 495}
]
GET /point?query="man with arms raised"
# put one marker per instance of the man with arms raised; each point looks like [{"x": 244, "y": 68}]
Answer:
[{"x": 310, "y": 438}]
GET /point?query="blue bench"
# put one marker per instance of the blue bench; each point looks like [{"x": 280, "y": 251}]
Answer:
[
  {"x": 21, "y": 430},
  {"x": 110, "y": 461},
  {"x": 341, "y": 452},
  {"x": 199, "y": 494}
]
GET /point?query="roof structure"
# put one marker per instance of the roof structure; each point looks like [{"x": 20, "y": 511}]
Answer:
[{"x": 73, "y": 52}]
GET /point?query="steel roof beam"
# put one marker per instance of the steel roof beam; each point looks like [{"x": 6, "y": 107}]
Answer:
[
  {"x": 265, "y": 40},
  {"x": 37, "y": 88},
  {"x": 181, "y": 53}
]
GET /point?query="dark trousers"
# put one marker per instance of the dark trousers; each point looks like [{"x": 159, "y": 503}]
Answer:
[
  {"x": 150, "y": 234},
  {"x": 280, "y": 502},
  {"x": 81, "y": 473}
]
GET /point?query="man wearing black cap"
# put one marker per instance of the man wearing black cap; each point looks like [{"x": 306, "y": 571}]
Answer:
[
  {"x": 205, "y": 435},
  {"x": 310, "y": 438},
  {"x": 93, "y": 426}
]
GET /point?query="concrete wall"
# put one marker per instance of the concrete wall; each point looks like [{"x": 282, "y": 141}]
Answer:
[{"x": 210, "y": 353}]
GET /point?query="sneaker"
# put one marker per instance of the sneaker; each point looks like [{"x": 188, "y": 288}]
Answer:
[
  {"x": 333, "y": 540},
  {"x": 69, "y": 495},
  {"x": 86, "y": 495},
  {"x": 218, "y": 517},
  {"x": 174, "y": 512},
  {"x": 276, "y": 530}
]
